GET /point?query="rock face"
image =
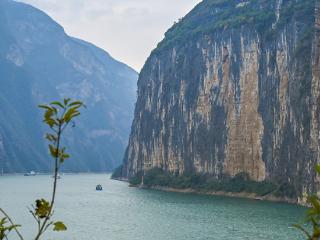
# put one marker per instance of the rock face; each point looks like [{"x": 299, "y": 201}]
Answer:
[
  {"x": 40, "y": 63},
  {"x": 234, "y": 87}
]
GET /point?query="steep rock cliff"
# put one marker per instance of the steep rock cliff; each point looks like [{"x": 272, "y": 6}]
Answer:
[{"x": 234, "y": 87}]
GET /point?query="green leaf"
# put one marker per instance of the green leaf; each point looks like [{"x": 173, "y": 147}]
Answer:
[
  {"x": 315, "y": 203},
  {"x": 45, "y": 107},
  {"x": 57, "y": 104},
  {"x": 59, "y": 226},
  {"x": 53, "y": 151},
  {"x": 75, "y": 103},
  {"x": 318, "y": 169},
  {"x": 69, "y": 114},
  {"x": 75, "y": 115},
  {"x": 50, "y": 137},
  {"x": 302, "y": 230},
  {"x": 66, "y": 101},
  {"x": 43, "y": 208}
]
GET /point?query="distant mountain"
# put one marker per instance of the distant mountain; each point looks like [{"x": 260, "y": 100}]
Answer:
[{"x": 39, "y": 63}]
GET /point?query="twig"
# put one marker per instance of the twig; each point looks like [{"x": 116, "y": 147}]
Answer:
[
  {"x": 7, "y": 216},
  {"x": 44, "y": 226},
  {"x": 35, "y": 217}
]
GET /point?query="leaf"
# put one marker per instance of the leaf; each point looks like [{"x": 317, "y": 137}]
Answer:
[
  {"x": 48, "y": 118},
  {"x": 318, "y": 169},
  {"x": 57, "y": 104},
  {"x": 75, "y": 103},
  {"x": 43, "y": 208},
  {"x": 59, "y": 226},
  {"x": 63, "y": 155},
  {"x": 51, "y": 137},
  {"x": 66, "y": 101},
  {"x": 302, "y": 230},
  {"x": 53, "y": 151},
  {"x": 68, "y": 116},
  {"x": 315, "y": 203},
  {"x": 45, "y": 107},
  {"x": 75, "y": 115}
]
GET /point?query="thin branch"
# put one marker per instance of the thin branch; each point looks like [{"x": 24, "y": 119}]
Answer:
[
  {"x": 56, "y": 169},
  {"x": 48, "y": 225},
  {"x": 53, "y": 130},
  {"x": 7, "y": 216},
  {"x": 35, "y": 217}
]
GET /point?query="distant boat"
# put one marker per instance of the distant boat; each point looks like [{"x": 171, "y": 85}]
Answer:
[
  {"x": 99, "y": 187},
  {"x": 32, "y": 173}
]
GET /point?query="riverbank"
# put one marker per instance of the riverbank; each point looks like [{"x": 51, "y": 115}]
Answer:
[{"x": 246, "y": 195}]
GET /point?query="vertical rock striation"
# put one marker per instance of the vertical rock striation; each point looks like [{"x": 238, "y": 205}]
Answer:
[{"x": 234, "y": 87}]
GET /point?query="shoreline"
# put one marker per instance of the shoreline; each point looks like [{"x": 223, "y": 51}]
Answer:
[{"x": 246, "y": 195}]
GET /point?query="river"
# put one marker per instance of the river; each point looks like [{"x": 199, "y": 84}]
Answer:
[{"x": 123, "y": 213}]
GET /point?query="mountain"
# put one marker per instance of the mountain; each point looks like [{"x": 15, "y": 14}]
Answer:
[
  {"x": 40, "y": 63},
  {"x": 233, "y": 88}
]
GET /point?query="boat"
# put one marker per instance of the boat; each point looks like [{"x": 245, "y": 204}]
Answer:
[
  {"x": 99, "y": 187},
  {"x": 31, "y": 173}
]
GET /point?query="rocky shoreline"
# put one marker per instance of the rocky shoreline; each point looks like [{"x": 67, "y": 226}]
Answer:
[
  {"x": 252, "y": 196},
  {"x": 246, "y": 195}
]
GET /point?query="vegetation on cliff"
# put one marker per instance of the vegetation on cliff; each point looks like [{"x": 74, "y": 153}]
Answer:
[
  {"x": 229, "y": 90},
  {"x": 206, "y": 183},
  {"x": 212, "y": 15}
]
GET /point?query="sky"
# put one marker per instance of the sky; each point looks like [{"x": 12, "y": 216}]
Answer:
[{"x": 127, "y": 29}]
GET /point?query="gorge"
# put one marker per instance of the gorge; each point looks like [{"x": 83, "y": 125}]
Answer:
[{"x": 233, "y": 88}]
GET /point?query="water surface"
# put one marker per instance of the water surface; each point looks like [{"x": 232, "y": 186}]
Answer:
[{"x": 123, "y": 213}]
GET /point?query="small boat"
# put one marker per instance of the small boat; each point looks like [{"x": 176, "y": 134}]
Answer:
[
  {"x": 99, "y": 187},
  {"x": 31, "y": 173}
]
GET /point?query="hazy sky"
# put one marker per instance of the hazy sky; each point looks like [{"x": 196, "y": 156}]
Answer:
[{"x": 127, "y": 29}]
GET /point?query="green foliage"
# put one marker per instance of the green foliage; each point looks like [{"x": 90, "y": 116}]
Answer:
[
  {"x": 43, "y": 208},
  {"x": 312, "y": 216},
  {"x": 212, "y": 15},
  {"x": 136, "y": 180},
  {"x": 59, "y": 226},
  {"x": 286, "y": 190},
  {"x": 6, "y": 227},
  {"x": 205, "y": 183},
  {"x": 57, "y": 115},
  {"x": 117, "y": 173},
  {"x": 155, "y": 176}
]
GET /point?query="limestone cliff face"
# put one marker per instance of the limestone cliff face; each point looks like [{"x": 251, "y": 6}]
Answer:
[{"x": 234, "y": 87}]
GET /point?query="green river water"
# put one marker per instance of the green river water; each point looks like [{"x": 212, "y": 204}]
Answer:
[{"x": 123, "y": 213}]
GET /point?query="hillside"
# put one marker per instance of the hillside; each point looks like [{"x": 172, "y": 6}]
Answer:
[{"x": 39, "y": 63}]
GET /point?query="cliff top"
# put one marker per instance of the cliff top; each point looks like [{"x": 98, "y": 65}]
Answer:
[{"x": 211, "y": 15}]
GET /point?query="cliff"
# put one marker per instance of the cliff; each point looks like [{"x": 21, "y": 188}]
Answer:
[
  {"x": 40, "y": 63},
  {"x": 233, "y": 87}
]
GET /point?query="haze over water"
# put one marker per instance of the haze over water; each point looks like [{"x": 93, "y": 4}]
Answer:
[{"x": 123, "y": 213}]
